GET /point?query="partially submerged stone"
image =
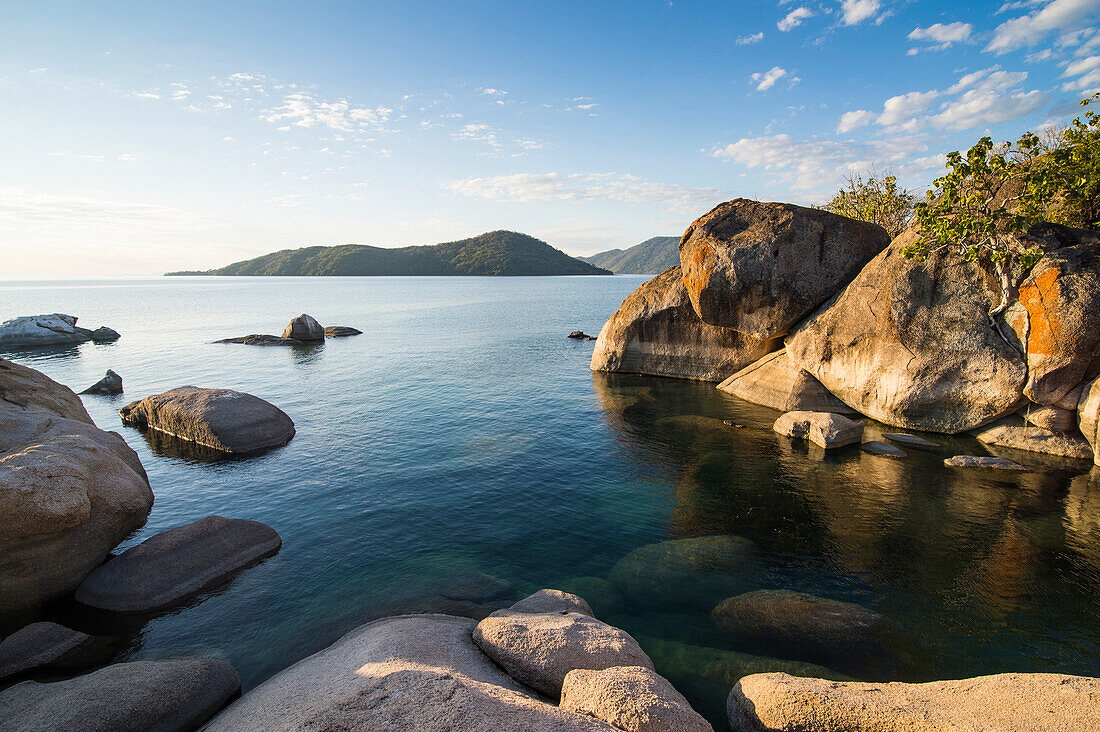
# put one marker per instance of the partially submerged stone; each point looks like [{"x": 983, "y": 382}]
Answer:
[
  {"x": 110, "y": 384},
  {"x": 777, "y": 702},
  {"x": 411, "y": 672},
  {"x": 103, "y": 334},
  {"x": 341, "y": 331},
  {"x": 175, "y": 564},
  {"x": 630, "y": 698},
  {"x": 49, "y": 330},
  {"x": 982, "y": 461},
  {"x": 580, "y": 335},
  {"x": 775, "y": 382},
  {"x": 259, "y": 339},
  {"x": 37, "y": 645},
  {"x": 822, "y": 428},
  {"x": 877, "y": 447},
  {"x": 760, "y": 267},
  {"x": 69, "y": 492},
  {"x": 222, "y": 419},
  {"x": 169, "y": 694},
  {"x": 539, "y": 649},
  {"x": 911, "y": 440},
  {"x": 552, "y": 601},
  {"x": 1015, "y": 433},
  {"x": 304, "y": 328},
  {"x": 657, "y": 332},
  {"x": 475, "y": 586}
]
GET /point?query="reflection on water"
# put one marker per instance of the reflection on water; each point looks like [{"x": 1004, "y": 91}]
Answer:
[{"x": 459, "y": 454}]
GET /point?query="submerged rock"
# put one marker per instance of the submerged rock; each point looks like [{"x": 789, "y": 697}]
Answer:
[
  {"x": 683, "y": 572},
  {"x": 656, "y": 331},
  {"x": 982, "y": 461},
  {"x": 599, "y": 593},
  {"x": 412, "y": 672},
  {"x": 798, "y": 624},
  {"x": 1016, "y": 433},
  {"x": 304, "y": 328},
  {"x": 103, "y": 334},
  {"x": 775, "y": 382},
  {"x": 341, "y": 331},
  {"x": 539, "y": 649},
  {"x": 222, "y": 419},
  {"x": 875, "y": 447},
  {"x": 477, "y": 587},
  {"x": 552, "y": 601},
  {"x": 1039, "y": 702},
  {"x": 175, "y": 564},
  {"x": 631, "y": 698},
  {"x": 49, "y": 330},
  {"x": 581, "y": 336},
  {"x": 110, "y": 384},
  {"x": 259, "y": 339},
  {"x": 822, "y": 428},
  {"x": 165, "y": 695},
  {"x": 761, "y": 267},
  {"x": 69, "y": 492},
  {"x": 37, "y": 645}
]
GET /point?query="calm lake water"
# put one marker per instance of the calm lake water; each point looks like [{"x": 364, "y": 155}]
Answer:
[{"x": 463, "y": 433}]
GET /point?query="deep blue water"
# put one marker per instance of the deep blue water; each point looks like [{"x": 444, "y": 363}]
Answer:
[{"x": 463, "y": 432}]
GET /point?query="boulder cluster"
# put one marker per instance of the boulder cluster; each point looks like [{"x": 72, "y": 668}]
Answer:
[
  {"x": 56, "y": 329},
  {"x": 806, "y": 311},
  {"x": 303, "y": 330}
]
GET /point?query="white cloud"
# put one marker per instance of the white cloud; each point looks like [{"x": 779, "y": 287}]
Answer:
[
  {"x": 1056, "y": 16},
  {"x": 794, "y": 18},
  {"x": 585, "y": 187},
  {"x": 747, "y": 40},
  {"x": 854, "y": 120},
  {"x": 26, "y": 212},
  {"x": 765, "y": 80},
  {"x": 1088, "y": 71},
  {"x": 941, "y": 35},
  {"x": 304, "y": 110},
  {"x": 988, "y": 96},
  {"x": 853, "y": 12},
  {"x": 901, "y": 111},
  {"x": 489, "y": 91}
]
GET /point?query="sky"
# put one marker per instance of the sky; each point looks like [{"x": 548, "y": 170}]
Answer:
[{"x": 140, "y": 138}]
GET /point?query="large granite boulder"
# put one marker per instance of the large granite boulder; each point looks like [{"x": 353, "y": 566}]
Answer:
[
  {"x": 69, "y": 492},
  {"x": 221, "y": 419},
  {"x": 798, "y": 624},
  {"x": 775, "y": 382},
  {"x": 1088, "y": 416},
  {"x": 682, "y": 572},
  {"x": 909, "y": 343},
  {"x": 49, "y": 330},
  {"x": 1005, "y": 702},
  {"x": 539, "y": 649},
  {"x": 37, "y": 645},
  {"x": 631, "y": 698},
  {"x": 165, "y": 695},
  {"x": 822, "y": 428},
  {"x": 411, "y": 672},
  {"x": 109, "y": 385},
  {"x": 304, "y": 328},
  {"x": 1013, "y": 432},
  {"x": 175, "y": 564},
  {"x": 655, "y": 331},
  {"x": 760, "y": 267}
]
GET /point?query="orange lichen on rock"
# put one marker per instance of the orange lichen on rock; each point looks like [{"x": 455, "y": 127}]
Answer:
[{"x": 1042, "y": 299}]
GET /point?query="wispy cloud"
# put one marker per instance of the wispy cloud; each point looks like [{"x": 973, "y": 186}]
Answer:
[
  {"x": 585, "y": 187},
  {"x": 794, "y": 18},
  {"x": 854, "y": 12},
  {"x": 765, "y": 80},
  {"x": 941, "y": 36},
  {"x": 750, "y": 39},
  {"x": 302, "y": 109},
  {"x": 1056, "y": 16}
]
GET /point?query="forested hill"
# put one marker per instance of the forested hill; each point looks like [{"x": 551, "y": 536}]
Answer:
[
  {"x": 652, "y": 256},
  {"x": 503, "y": 253}
]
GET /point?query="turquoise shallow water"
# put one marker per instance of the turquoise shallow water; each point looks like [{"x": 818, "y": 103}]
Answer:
[{"x": 463, "y": 432}]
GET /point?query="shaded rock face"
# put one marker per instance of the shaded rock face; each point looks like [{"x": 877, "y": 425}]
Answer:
[
  {"x": 411, "y": 672},
  {"x": 109, "y": 385},
  {"x": 1014, "y": 432},
  {"x": 822, "y": 428},
  {"x": 631, "y": 698},
  {"x": 36, "y": 645},
  {"x": 165, "y": 695},
  {"x": 683, "y": 571},
  {"x": 539, "y": 649},
  {"x": 304, "y": 328},
  {"x": 175, "y": 564},
  {"x": 798, "y": 624},
  {"x": 1019, "y": 702},
  {"x": 222, "y": 419},
  {"x": 775, "y": 382},
  {"x": 657, "y": 332},
  {"x": 69, "y": 492},
  {"x": 1088, "y": 416},
  {"x": 759, "y": 267},
  {"x": 49, "y": 330},
  {"x": 909, "y": 343}
]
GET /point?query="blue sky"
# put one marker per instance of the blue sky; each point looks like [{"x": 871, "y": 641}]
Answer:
[{"x": 144, "y": 137}]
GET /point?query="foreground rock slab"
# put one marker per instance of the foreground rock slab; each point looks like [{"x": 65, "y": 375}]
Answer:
[
  {"x": 175, "y": 564},
  {"x": 304, "y": 328},
  {"x": 411, "y": 672},
  {"x": 109, "y": 385},
  {"x": 539, "y": 649},
  {"x": 36, "y": 645},
  {"x": 657, "y": 332},
  {"x": 69, "y": 492},
  {"x": 222, "y": 419},
  {"x": 982, "y": 461},
  {"x": 775, "y": 382},
  {"x": 631, "y": 698},
  {"x": 169, "y": 695},
  {"x": 822, "y": 428},
  {"x": 1001, "y": 703},
  {"x": 761, "y": 267}
]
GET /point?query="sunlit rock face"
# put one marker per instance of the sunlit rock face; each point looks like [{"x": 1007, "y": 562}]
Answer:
[{"x": 656, "y": 332}]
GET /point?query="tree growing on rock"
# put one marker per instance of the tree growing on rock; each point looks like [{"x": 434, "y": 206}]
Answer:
[{"x": 876, "y": 199}]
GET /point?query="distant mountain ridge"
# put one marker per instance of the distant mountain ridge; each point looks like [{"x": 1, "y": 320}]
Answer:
[
  {"x": 496, "y": 253},
  {"x": 652, "y": 256}
]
